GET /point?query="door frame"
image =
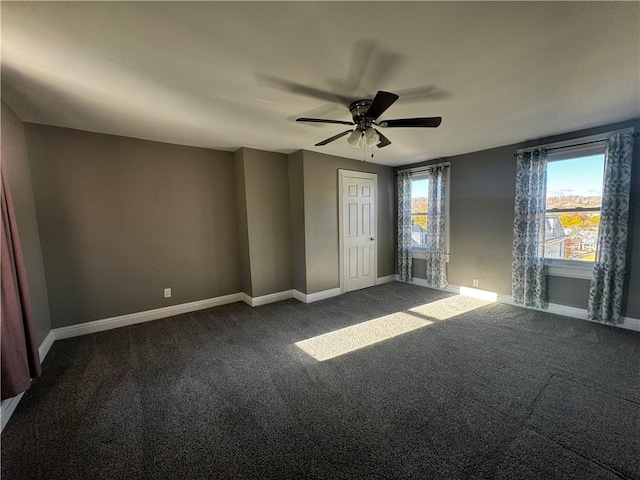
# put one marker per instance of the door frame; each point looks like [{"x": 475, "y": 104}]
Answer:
[{"x": 342, "y": 174}]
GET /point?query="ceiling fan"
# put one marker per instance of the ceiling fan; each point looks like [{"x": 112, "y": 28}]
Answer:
[{"x": 365, "y": 113}]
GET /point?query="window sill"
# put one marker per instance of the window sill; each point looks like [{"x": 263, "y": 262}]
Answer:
[{"x": 568, "y": 268}]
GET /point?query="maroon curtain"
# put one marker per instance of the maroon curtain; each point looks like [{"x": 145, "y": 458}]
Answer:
[{"x": 19, "y": 354}]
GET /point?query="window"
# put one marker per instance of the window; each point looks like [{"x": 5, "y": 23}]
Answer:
[
  {"x": 419, "y": 204},
  {"x": 575, "y": 177},
  {"x": 575, "y": 184},
  {"x": 574, "y": 198},
  {"x": 420, "y": 207}
]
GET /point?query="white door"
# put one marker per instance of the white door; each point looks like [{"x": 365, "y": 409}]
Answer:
[{"x": 358, "y": 232}]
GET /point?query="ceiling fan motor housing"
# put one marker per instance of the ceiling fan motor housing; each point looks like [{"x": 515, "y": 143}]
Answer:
[{"x": 358, "y": 111}]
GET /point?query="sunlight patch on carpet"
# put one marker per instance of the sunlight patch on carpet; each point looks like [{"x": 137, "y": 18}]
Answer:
[
  {"x": 345, "y": 340},
  {"x": 450, "y": 307},
  {"x": 355, "y": 337}
]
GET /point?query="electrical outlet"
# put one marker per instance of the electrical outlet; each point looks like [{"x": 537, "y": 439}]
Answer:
[
  {"x": 475, "y": 282},
  {"x": 167, "y": 292}
]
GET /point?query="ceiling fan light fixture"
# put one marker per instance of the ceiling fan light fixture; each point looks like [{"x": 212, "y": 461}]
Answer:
[
  {"x": 371, "y": 137},
  {"x": 356, "y": 139}
]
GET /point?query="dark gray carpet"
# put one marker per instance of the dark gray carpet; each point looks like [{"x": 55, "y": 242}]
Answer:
[{"x": 499, "y": 392}]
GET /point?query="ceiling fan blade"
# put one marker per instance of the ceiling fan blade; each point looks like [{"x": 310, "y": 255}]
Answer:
[
  {"x": 384, "y": 141},
  {"x": 335, "y": 137},
  {"x": 381, "y": 102},
  {"x": 385, "y": 65},
  {"x": 299, "y": 89},
  {"x": 323, "y": 120},
  {"x": 360, "y": 57},
  {"x": 420, "y": 94},
  {"x": 431, "y": 122}
]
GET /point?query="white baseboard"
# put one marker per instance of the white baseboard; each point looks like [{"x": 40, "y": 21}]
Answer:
[
  {"x": 564, "y": 310},
  {"x": 265, "y": 299},
  {"x": 140, "y": 317},
  {"x": 45, "y": 346},
  {"x": 245, "y": 298},
  {"x": 8, "y": 407},
  {"x": 149, "y": 315},
  {"x": 420, "y": 282},
  {"x": 387, "y": 279},
  {"x": 333, "y": 292},
  {"x": 314, "y": 297},
  {"x": 627, "y": 323},
  {"x": 630, "y": 323}
]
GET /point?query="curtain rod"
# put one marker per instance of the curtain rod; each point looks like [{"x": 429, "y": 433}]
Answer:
[
  {"x": 422, "y": 168},
  {"x": 566, "y": 144},
  {"x": 576, "y": 145}
]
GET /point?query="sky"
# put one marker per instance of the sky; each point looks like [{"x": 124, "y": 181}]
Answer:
[
  {"x": 419, "y": 188},
  {"x": 580, "y": 176}
]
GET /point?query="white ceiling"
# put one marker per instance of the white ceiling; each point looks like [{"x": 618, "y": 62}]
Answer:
[{"x": 218, "y": 74}]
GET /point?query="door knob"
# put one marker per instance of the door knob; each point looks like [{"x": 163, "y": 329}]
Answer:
[{"x": 371, "y": 238}]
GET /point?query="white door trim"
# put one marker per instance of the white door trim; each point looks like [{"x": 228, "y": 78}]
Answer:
[{"x": 368, "y": 176}]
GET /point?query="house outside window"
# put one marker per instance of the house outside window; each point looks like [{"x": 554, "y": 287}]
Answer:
[{"x": 555, "y": 238}]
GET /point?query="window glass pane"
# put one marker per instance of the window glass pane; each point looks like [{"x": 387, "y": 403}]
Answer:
[
  {"x": 572, "y": 235},
  {"x": 575, "y": 183},
  {"x": 419, "y": 194},
  {"x": 571, "y": 184}
]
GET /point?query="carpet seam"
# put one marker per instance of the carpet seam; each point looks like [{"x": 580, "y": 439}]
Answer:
[
  {"x": 601, "y": 465},
  {"x": 521, "y": 425},
  {"x": 598, "y": 390},
  {"x": 527, "y": 424}
]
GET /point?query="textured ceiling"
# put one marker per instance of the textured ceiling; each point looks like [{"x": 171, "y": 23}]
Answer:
[{"x": 221, "y": 74}]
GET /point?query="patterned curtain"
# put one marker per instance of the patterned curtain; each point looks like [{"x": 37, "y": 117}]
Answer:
[
  {"x": 605, "y": 293},
  {"x": 436, "y": 274},
  {"x": 404, "y": 226},
  {"x": 528, "y": 278}
]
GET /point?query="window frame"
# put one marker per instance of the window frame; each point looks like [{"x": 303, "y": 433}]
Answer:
[
  {"x": 421, "y": 252},
  {"x": 581, "y": 148},
  {"x": 418, "y": 249}
]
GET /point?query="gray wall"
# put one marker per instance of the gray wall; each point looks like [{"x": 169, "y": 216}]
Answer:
[
  {"x": 573, "y": 292},
  {"x": 481, "y": 219},
  {"x": 16, "y": 167},
  {"x": 243, "y": 228},
  {"x": 321, "y": 218},
  {"x": 266, "y": 179},
  {"x": 296, "y": 207},
  {"x": 120, "y": 219},
  {"x": 631, "y": 300},
  {"x": 482, "y": 201}
]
